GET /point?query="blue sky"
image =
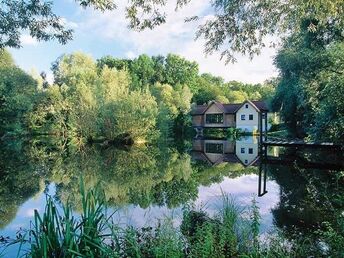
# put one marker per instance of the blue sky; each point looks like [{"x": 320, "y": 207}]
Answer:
[{"x": 100, "y": 34}]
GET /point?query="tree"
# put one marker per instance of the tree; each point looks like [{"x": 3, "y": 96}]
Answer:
[
  {"x": 311, "y": 71},
  {"x": 142, "y": 72},
  {"x": 135, "y": 116},
  {"x": 39, "y": 19},
  {"x": 181, "y": 71},
  {"x": 17, "y": 91},
  {"x": 236, "y": 26},
  {"x": 6, "y": 59},
  {"x": 112, "y": 62}
]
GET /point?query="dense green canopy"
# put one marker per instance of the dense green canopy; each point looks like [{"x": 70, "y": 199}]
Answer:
[
  {"x": 310, "y": 92},
  {"x": 234, "y": 26},
  {"x": 113, "y": 99}
]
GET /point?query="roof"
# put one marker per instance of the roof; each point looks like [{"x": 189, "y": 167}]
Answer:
[
  {"x": 261, "y": 105},
  {"x": 198, "y": 110},
  {"x": 229, "y": 108}
]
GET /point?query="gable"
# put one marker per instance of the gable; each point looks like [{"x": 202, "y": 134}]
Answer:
[
  {"x": 213, "y": 109},
  {"x": 251, "y": 108}
]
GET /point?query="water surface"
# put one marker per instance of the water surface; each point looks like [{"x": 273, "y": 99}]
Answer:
[{"x": 147, "y": 183}]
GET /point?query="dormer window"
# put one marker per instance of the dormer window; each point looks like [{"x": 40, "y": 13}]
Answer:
[{"x": 246, "y": 106}]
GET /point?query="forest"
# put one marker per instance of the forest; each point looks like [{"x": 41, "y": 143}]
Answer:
[
  {"x": 137, "y": 99},
  {"x": 112, "y": 99},
  {"x": 150, "y": 97},
  {"x": 112, "y": 134}
]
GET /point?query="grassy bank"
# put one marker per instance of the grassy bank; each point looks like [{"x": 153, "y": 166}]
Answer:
[{"x": 231, "y": 232}]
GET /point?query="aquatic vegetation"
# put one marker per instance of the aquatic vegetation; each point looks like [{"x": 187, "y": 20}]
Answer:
[{"x": 231, "y": 232}]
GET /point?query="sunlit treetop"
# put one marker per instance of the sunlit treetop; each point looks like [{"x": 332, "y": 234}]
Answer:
[{"x": 236, "y": 26}]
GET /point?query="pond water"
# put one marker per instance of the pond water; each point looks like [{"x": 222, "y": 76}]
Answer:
[{"x": 295, "y": 189}]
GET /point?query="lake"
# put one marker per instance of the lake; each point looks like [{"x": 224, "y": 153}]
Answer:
[{"x": 296, "y": 189}]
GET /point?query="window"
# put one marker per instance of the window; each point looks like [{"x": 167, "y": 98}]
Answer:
[
  {"x": 250, "y": 117},
  {"x": 250, "y": 151},
  {"x": 214, "y": 148},
  {"x": 214, "y": 118},
  {"x": 242, "y": 150},
  {"x": 246, "y": 106},
  {"x": 243, "y": 117},
  {"x": 246, "y": 161}
]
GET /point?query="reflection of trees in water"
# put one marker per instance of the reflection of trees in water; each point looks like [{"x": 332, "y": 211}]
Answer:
[
  {"x": 19, "y": 180},
  {"x": 308, "y": 198},
  {"x": 127, "y": 176},
  {"x": 142, "y": 175}
]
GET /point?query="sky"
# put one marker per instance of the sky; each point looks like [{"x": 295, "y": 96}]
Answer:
[{"x": 99, "y": 34}]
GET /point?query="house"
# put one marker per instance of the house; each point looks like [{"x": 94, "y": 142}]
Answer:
[{"x": 250, "y": 116}]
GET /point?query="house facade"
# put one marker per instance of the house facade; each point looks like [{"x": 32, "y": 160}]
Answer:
[{"x": 250, "y": 116}]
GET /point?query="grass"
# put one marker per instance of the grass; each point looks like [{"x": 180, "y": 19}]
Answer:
[{"x": 231, "y": 232}]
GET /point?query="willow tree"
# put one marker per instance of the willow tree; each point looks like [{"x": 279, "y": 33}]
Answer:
[
  {"x": 234, "y": 26},
  {"x": 17, "y": 91}
]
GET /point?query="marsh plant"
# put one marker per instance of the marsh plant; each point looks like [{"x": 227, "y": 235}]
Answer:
[{"x": 233, "y": 231}]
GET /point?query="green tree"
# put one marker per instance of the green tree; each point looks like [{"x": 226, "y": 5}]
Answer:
[
  {"x": 181, "y": 71},
  {"x": 311, "y": 71},
  {"x": 17, "y": 92},
  {"x": 135, "y": 116},
  {"x": 112, "y": 62},
  {"x": 38, "y": 18},
  {"x": 142, "y": 72},
  {"x": 6, "y": 59},
  {"x": 236, "y": 26}
]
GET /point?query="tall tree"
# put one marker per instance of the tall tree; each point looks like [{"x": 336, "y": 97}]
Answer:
[
  {"x": 236, "y": 26},
  {"x": 311, "y": 72},
  {"x": 6, "y": 59},
  {"x": 17, "y": 91}
]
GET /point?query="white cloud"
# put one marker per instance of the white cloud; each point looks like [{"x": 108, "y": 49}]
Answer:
[
  {"x": 130, "y": 55},
  {"x": 245, "y": 70},
  {"x": 50, "y": 78},
  {"x": 27, "y": 40},
  {"x": 176, "y": 36},
  {"x": 69, "y": 24}
]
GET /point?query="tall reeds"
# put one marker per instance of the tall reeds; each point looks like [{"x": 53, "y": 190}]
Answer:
[{"x": 232, "y": 232}]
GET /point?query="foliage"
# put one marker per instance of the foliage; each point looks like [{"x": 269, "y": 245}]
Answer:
[
  {"x": 144, "y": 70},
  {"x": 38, "y": 18},
  {"x": 235, "y": 27},
  {"x": 89, "y": 103},
  {"x": 213, "y": 88},
  {"x": 54, "y": 235},
  {"x": 6, "y": 59},
  {"x": 309, "y": 92},
  {"x": 114, "y": 99},
  {"x": 58, "y": 233},
  {"x": 135, "y": 115},
  {"x": 17, "y": 90}
]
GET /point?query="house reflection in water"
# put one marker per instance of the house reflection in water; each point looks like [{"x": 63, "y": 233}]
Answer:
[{"x": 216, "y": 151}]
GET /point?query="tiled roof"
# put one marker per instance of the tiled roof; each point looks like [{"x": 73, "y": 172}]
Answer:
[
  {"x": 228, "y": 108},
  {"x": 231, "y": 108},
  {"x": 261, "y": 105},
  {"x": 198, "y": 110}
]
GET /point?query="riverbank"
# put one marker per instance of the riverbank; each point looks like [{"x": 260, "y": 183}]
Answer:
[{"x": 230, "y": 232}]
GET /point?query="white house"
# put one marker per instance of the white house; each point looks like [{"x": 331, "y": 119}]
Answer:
[{"x": 246, "y": 116}]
